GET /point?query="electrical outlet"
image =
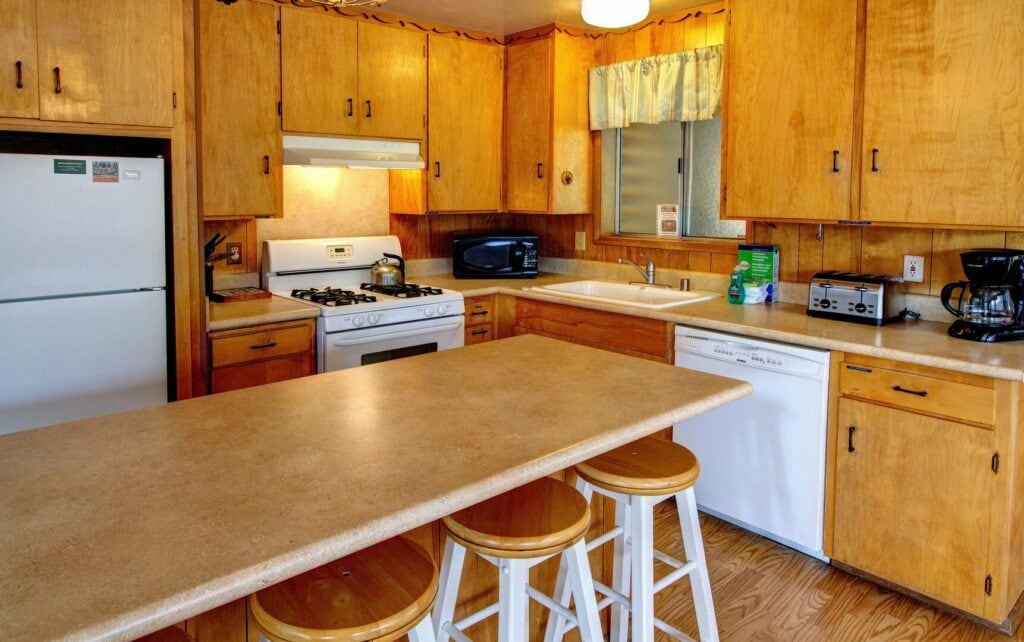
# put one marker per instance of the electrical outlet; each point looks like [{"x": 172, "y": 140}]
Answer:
[
  {"x": 581, "y": 241},
  {"x": 913, "y": 268},
  {"x": 236, "y": 253}
]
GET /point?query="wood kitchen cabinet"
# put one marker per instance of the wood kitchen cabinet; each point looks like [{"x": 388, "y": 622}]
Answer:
[
  {"x": 919, "y": 123},
  {"x": 88, "y": 62},
  {"x": 261, "y": 354},
  {"x": 926, "y": 490},
  {"x": 790, "y": 110},
  {"x": 348, "y": 77},
  {"x": 547, "y": 126},
  {"x": 622, "y": 333},
  {"x": 238, "y": 87},
  {"x": 480, "y": 316},
  {"x": 19, "y": 78},
  {"x": 465, "y": 88}
]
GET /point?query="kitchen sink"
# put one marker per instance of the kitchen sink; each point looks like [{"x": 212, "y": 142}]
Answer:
[{"x": 636, "y": 295}]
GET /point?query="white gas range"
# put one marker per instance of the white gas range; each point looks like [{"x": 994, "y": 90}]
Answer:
[{"x": 359, "y": 323}]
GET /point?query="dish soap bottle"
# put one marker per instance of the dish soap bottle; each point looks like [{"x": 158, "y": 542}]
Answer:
[{"x": 736, "y": 292}]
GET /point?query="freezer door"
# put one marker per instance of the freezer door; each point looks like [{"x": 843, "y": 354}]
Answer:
[
  {"x": 74, "y": 224},
  {"x": 66, "y": 359}
]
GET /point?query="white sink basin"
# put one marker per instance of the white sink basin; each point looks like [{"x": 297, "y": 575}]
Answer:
[{"x": 640, "y": 296}]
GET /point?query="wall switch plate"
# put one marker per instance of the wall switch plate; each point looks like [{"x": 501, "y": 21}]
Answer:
[
  {"x": 581, "y": 241},
  {"x": 913, "y": 268},
  {"x": 236, "y": 253}
]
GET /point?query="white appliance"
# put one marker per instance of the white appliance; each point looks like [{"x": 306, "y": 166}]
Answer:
[
  {"x": 762, "y": 459},
  {"x": 360, "y": 323},
  {"x": 83, "y": 300}
]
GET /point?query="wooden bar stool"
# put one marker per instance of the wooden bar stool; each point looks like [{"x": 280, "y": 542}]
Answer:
[
  {"x": 379, "y": 593},
  {"x": 516, "y": 531},
  {"x": 170, "y": 634},
  {"x": 638, "y": 476}
]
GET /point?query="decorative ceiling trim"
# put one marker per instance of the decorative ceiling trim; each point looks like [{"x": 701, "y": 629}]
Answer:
[{"x": 581, "y": 32}]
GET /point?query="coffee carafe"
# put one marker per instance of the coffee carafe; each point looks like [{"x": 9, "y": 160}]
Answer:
[{"x": 989, "y": 304}]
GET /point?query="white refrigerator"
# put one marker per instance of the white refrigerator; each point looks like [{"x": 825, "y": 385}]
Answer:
[{"x": 83, "y": 287}]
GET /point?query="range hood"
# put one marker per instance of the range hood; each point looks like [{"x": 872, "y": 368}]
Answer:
[{"x": 322, "y": 151}]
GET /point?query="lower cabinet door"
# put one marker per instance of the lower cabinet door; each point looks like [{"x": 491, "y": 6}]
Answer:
[{"x": 912, "y": 501}]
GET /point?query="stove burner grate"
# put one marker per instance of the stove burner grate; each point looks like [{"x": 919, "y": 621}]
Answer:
[
  {"x": 407, "y": 291},
  {"x": 333, "y": 297}
]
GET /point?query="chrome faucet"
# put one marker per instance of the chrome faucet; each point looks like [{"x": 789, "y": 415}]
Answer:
[{"x": 648, "y": 273}]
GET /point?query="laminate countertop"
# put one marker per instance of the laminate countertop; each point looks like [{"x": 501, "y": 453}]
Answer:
[
  {"x": 119, "y": 525},
  {"x": 241, "y": 314},
  {"x": 913, "y": 341}
]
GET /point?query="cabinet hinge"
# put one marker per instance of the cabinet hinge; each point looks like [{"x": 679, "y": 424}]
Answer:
[
  {"x": 280, "y": 108},
  {"x": 725, "y": 192},
  {"x": 174, "y": 100},
  {"x": 278, "y": 26},
  {"x": 995, "y": 463},
  {"x": 988, "y": 585}
]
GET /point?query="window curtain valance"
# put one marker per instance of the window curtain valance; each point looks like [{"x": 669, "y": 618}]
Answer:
[{"x": 679, "y": 86}]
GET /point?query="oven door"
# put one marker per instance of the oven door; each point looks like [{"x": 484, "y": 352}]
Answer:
[{"x": 340, "y": 350}]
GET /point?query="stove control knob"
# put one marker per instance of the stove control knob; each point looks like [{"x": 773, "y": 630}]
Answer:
[
  {"x": 357, "y": 321},
  {"x": 374, "y": 318},
  {"x": 441, "y": 309},
  {"x": 428, "y": 311}
]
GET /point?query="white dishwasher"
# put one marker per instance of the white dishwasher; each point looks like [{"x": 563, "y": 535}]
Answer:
[{"x": 762, "y": 458}]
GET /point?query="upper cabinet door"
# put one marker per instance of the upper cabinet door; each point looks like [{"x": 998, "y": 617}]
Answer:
[
  {"x": 790, "y": 116},
  {"x": 392, "y": 82},
  {"x": 944, "y": 108},
  {"x": 318, "y": 72},
  {"x": 106, "y": 62},
  {"x": 18, "y": 69},
  {"x": 465, "y": 89},
  {"x": 239, "y": 131},
  {"x": 528, "y": 126}
]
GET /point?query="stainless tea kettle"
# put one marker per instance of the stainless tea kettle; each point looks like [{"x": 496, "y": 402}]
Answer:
[{"x": 383, "y": 273}]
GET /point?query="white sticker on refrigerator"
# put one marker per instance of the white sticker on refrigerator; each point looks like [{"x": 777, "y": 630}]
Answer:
[
  {"x": 131, "y": 174},
  {"x": 105, "y": 172}
]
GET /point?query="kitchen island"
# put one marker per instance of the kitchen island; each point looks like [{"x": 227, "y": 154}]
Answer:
[{"x": 120, "y": 525}]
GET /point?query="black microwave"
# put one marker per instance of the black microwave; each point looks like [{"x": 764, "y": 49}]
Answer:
[{"x": 494, "y": 256}]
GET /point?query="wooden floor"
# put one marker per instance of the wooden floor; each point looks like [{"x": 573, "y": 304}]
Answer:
[{"x": 765, "y": 591}]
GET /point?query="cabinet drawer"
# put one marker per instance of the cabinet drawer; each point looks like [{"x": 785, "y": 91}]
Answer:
[
  {"x": 266, "y": 343},
  {"x": 919, "y": 392},
  {"x": 478, "y": 334},
  {"x": 479, "y": 310},
  {"x": 258, "y": 373}
]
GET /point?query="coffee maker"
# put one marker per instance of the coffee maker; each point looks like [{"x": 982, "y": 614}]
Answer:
[{"x": 990, "y": 303}]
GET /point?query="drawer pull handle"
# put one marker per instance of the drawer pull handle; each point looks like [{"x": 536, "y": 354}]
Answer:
[
  {"x": 437, "y": 169},
  {"x": 369, "y": 109},
  {"x": 479, "y": 332},
  {"x": 57, "y": 88},
  {"x": 540, "y": 170},
  {"x": 919, "y": 393},
  {"x": 849, "y": 446},
  {"x": 835, "y": 161},
  {"x": 478, "y": 314},
  {"x": 17, "y": 67},
  {"x": 263, "y": 346},
  {"x": 874, "y": 160},
  {"x": 349, "y": 107}
]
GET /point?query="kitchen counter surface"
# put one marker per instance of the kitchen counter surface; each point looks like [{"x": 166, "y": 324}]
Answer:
[
  {"x": 241, "y": 314},
  {"x": 119, "y": 525},
  {"x": 920, "y": 342}
]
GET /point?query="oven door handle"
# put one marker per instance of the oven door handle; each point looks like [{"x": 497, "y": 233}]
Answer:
[{"x": 396, "y": 335}]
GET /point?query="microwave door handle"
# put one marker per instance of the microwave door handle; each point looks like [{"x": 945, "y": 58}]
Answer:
[{"x": 395, "y": 335}]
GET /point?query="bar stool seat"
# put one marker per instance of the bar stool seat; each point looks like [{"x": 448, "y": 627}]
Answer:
[
  {"x": 646, "y": 467},
  {"x": 637, "y": 477},
  {"x": 170, "y": 634},
  {"x": 379, "y": 593},
  {"x": 541, "y": 518},
  {"x": 516, "y": 531}
]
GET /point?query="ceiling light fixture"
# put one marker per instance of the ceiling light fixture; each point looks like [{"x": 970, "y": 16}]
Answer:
[
  {"x": 350, "y": 3},
  {"x": 613, "y": 14}
]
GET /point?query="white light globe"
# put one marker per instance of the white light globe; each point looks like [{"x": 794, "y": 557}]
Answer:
[{"x": 612, "y": 14}]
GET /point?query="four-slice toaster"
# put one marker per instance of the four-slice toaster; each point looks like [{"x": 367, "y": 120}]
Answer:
[{"x": 874, "y": 299}]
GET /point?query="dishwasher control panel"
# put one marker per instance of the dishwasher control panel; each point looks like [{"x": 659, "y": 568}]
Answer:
[{"x": 735, "y": 349}]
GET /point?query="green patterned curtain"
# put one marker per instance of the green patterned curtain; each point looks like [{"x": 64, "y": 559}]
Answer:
[{"x": 679, "y": 86}]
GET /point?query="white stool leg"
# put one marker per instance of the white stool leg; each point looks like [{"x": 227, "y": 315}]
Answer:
[
  {"x": 700, "y": 584},
  {"x": 513, "y": 603},
  {"x": 641, "y": 518},
  {"x": 555, "y": 630},
  {"x": 423, "y": 631},
  {"x": 575, "y": 558},
  {"x": 448, "y": 588},
  {"x": 619, "y": 630}
]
